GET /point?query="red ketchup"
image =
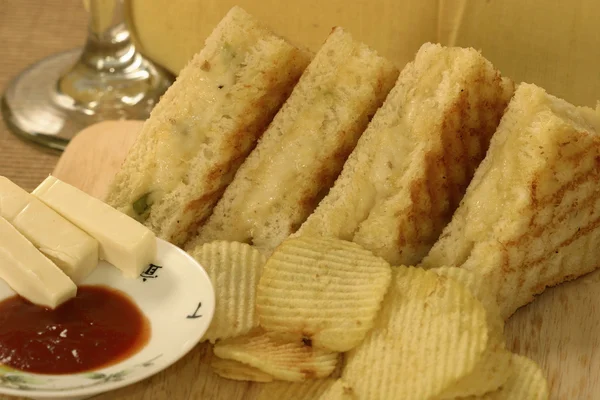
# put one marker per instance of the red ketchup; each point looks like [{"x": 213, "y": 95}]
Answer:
[{"x": 99, "y": 327}]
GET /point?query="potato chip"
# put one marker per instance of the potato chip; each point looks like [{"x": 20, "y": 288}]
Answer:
[
  {"x": 309, "y": 390},
  {"x": 234, "y": 270},
  {"x": 288, "y": 361},
  {"x": 475, "y": 284},
  {"x": 238, "y": 371},
  {"x": 325, "y": 290},
  {"x": 339, "y": 368},
  {"x": 340, "y": 390},
  {"x": 526, "y": 382},
  {"x": 495, "y": 366},
  {"x": 430, "y": 333}
]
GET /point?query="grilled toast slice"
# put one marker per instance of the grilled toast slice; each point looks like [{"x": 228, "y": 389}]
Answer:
[
  {"x": 411, "y": 167},
  {"x": 531, "y": 215},
  {"x": 303, "y": 150},
  {"x": 205, "y": 125}
]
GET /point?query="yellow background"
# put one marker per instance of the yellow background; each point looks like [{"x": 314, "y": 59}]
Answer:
[{"x": 555, "y": 44}]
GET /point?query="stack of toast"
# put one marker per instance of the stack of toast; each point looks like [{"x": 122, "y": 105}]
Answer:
[{"x": 447, "y": 163}]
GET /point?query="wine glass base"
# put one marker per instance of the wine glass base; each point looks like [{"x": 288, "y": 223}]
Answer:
[
  {"x": 35, "y": 107},
  {"x": 29, "y": 105}
]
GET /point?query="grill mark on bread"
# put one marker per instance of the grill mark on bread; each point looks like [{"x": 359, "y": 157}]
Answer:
[
  {"x": 456, "y": 187},
  {"x": 542, "y": 262},
  {"x": 535, "y": 230},
  {"x": 201, "y": 207},
  {"x": 202, "y": 203},
  {"x": 430, "y": 208},
  {"x": 446, "y": 193},
  {"x": 414, "y": 213},
  {"x": 550, "y": 253},
  {"x": 587, "y": 204},
  {"x": 324, "y": 179},
  {"x": 573, "y": 183},
  {"x": 463, "y": 145},
  {"x": 558, "y": 219}
]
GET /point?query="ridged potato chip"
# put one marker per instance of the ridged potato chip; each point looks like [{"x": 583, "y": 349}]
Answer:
[
  {"x": 494, "y": 368},
  {"x": 526, "y": 382},
  {"x": 238, "y": 371},
  {"x": 308, "y": 390},
  {"x": 234, "y": 270},
  {"x": 340, "y": 390},
  {"x": 430, "y": 333},
  {"x": 287, "y": 361},
  {"x": 323, "y": 289},
  {"x": 475, "y": 284}
]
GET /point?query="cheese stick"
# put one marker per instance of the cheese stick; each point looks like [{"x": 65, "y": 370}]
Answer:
[
  {"x": 29, "y": 273},
  {"x": 70, "y": 248},
  {"x": 123, "y": 242}
]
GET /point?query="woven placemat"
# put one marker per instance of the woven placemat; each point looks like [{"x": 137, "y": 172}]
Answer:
[{"x": 29, "y": 31}]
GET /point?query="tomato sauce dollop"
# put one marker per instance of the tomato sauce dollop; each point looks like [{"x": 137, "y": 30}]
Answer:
[{"x": 97, "y": 328}]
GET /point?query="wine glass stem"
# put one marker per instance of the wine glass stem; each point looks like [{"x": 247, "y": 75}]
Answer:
[
  {"x": 108, "y": 47},
  {"x": 110, "y": 75}
]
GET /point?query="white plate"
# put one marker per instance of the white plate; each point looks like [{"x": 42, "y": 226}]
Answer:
[{"x": 177, "y": 297}]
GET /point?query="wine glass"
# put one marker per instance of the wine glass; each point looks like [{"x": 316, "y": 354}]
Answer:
[{"x": 52, "y": 100}]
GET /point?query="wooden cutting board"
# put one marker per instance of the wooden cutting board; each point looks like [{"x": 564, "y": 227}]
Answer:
[{"x": 560, "y": 330}]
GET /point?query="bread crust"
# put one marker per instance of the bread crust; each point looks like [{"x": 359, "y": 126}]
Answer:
[{"x": 205, "y": 125}]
